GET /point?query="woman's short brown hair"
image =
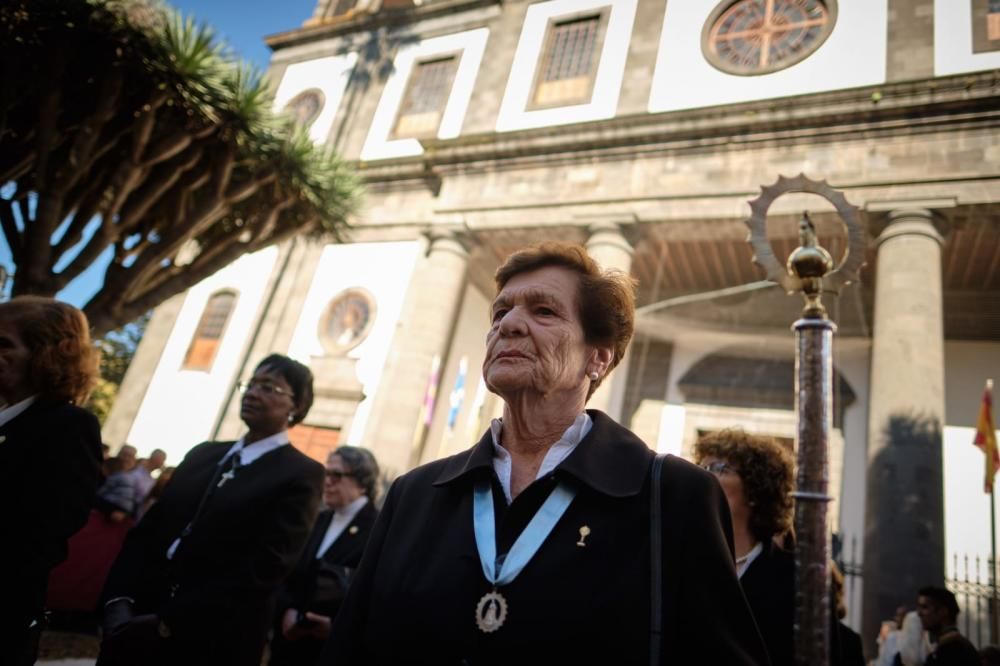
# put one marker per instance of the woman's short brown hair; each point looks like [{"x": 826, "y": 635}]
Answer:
[
  {"x": 63, "y": 363},
  {"x": 767, "y": 471},
  {"x": 605, "y": 298}
]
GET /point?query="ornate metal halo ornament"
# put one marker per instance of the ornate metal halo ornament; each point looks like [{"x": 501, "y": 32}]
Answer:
[
  {"x": 810, "y": 269},
  {"x": 805, "y": 270}
]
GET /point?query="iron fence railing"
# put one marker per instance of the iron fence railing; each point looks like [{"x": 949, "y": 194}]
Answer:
[{"x": 968, "y": 577}]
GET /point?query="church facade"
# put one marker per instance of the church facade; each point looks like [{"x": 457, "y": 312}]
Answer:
[{"x": 639, "y": 128}]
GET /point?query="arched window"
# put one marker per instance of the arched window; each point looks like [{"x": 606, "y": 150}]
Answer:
[{"x": 205, "y": 344}]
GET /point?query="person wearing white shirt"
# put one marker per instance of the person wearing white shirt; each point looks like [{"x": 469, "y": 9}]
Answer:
[
  {"x": 196, "y": 578},
  {"x": 757, "y": 475},
  {"x": 313, "y": 593}
]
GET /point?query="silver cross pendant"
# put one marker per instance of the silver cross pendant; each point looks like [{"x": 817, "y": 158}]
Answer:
[{"x": 225, "y": 477}]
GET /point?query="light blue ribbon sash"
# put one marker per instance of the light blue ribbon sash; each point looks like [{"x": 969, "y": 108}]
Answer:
[{"x": 529, "y": 541}]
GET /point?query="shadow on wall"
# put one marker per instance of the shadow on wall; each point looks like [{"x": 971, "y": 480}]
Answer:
[{"x": 904, "y": 519}]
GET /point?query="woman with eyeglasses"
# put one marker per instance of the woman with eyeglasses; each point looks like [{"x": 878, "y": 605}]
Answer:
[
  {"x": 756, "y": 474},
  {"x": 196, "y": 579},
  {"x": 313, "y": 593}
]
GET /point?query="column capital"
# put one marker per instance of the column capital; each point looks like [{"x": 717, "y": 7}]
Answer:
[
  {"x": 909, "y": 222},
  {"x": 609, "y": 233},
  {"x": 456, "y": 241}
]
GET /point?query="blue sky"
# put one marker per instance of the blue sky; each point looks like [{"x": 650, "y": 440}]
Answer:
[{"x": 242, "y": 24}]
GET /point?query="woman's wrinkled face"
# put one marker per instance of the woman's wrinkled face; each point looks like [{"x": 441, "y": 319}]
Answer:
[
  {"x": 340, "y": 487},
  {"x": 536, "y": 341},
  {"x": 14, "y": 364}
]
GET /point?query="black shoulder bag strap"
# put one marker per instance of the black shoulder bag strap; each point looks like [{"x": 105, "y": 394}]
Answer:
[{"x": 655, "y": 562}]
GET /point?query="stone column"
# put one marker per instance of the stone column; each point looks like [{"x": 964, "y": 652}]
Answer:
[
  {"x": 609, "y": 247},
  {"x": 393, "y": 431},
  {"x": 904, "y": 511}
]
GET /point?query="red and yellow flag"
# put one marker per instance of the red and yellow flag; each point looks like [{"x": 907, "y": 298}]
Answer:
[{"x": 986, "y": 437}]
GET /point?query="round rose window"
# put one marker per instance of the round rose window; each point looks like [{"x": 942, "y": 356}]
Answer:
[
  {"x": 750, "y": 37},
  {"x": 347, "y": 320}
]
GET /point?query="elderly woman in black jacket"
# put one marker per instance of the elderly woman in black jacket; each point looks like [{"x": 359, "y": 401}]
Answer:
[
  {"x": 312, "y": 595},
  {"x": 534, "y": 545}
]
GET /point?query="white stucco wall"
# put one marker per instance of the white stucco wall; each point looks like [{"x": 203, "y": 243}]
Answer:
[
  {"x": 385, "y": 270},
  {"x": 514, "y": 114},
  {"x": 853, "y": 55},
  {"x": 953, "y": 40},
  {"x": 181, "y": 406},
  {"x": 329, "y": 75},
  {"x": 967, "y": 510},
  {"x": 471, "y": 45}
]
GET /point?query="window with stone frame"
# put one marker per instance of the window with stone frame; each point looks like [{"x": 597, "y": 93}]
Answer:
[
  {"x": 343, "y": 6},
  {"x": 570, "y": 56},
  {"x": 426, "y": 97},
  {"x": 985, "y": 26},
  {"x": 208, "y": 335}
]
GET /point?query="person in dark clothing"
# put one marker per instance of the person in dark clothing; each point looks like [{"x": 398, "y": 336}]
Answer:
[
  {"x": 938, "y": 611},
  {"x": 757, "y": 475},
  {"x": 534, "y": 545},
  {"x": 50, "y": 456},
  {"x": 846, "y": 648},
  {"x": 196, "y": 578},
  {"x": 312, "y": 595}
]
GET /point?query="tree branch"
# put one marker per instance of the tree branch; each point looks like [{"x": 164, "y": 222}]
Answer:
[
  {"x": 82, "y": 216},
  {"x": 87, "y": 134},
  {"x": 156, "y": 186},
  {"x": 10, "y": 230},
  {"x": 144, "y": 124}
]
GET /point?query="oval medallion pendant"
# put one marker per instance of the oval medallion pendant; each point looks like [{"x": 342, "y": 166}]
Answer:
[{"x": 491, "y": 611}]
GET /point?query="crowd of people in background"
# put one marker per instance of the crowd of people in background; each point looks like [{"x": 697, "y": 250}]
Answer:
[{"x": 558, "y": 537}]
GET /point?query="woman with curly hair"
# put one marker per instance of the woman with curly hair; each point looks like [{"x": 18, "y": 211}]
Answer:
[
  {"x": 50, "y": 454},
  {"x": 756, "y": 473}
]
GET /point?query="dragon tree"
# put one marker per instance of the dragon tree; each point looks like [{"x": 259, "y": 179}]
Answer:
[{"x": 130, "y": 130}]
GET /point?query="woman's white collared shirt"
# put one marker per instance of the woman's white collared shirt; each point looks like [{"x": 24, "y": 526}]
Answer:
[{"x": 555, "y": 455}]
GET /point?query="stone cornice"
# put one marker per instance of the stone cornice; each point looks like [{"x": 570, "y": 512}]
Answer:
[
  {"x": 911, "y": 107},
  {"x": 350, "y": 24}
]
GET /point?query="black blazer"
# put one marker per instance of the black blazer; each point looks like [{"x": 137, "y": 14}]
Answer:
[
  {"x": 299, "y": 591},
  {"x": 217, "y": 593},
  {"x": 414, "y": 598},
  {"x": 50, "y": 460},
  {"x": 769, "y": 585}
]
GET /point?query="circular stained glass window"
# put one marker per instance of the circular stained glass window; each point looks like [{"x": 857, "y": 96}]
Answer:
[
  {"x": 305, "y": 106},
  {"x": 347, "y": 320},
  {"x": 750, "y": 37}
]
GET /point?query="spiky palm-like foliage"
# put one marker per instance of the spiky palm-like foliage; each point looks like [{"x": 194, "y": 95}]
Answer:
[{"x": 125, "y": 125}]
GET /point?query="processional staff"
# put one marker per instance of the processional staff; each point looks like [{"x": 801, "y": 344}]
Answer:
[{"x": 810, "y": 271}]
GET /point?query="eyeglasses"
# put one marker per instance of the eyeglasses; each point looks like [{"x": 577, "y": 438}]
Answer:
[
  {"x": 264, "y": 388},
  {"x": 719, "y": 468},
  {"x": 336, "y": 476}
]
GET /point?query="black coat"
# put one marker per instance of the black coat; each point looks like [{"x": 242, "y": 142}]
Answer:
[
  {"x": 300, "y": 590},
  {"x": 50, "y": 459},
  {"x": 769, "y": 585},
  {"x": 225, "y": 574},
  {"x": 415, "y": 595}
]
